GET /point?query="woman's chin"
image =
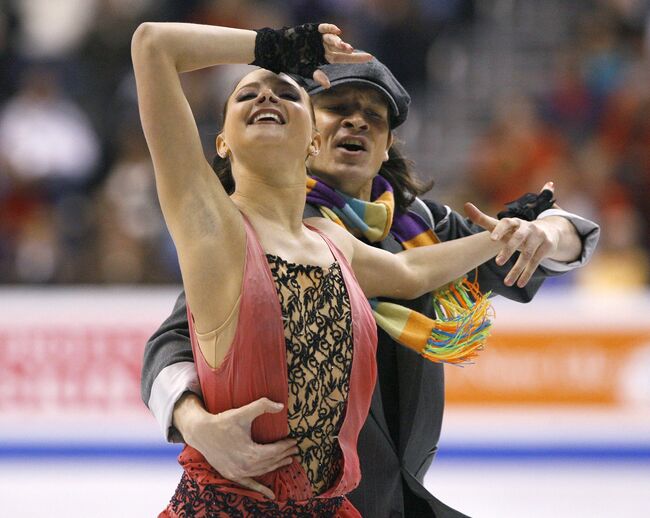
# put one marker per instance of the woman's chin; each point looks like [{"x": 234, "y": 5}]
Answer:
[
  {"x": 260, "y": 135},
  {"x": 265, "y": 137}
]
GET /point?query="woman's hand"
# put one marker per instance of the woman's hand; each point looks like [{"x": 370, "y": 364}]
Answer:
[
  {"x": 336, "y": 51},
  {"x": 552, "y": 237}
]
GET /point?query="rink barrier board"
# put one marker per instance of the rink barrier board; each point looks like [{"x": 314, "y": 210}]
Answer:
[{"x": 70, "y": 364}]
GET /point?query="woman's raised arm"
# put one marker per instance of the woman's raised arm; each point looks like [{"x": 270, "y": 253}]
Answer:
[
  {"x": 185, "y": 180},
  {"x": 204, "y": 223},
  {"x": 162, "y": 51}
]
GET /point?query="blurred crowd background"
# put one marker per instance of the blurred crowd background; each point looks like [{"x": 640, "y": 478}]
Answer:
[{"x": 507, "y": 94}]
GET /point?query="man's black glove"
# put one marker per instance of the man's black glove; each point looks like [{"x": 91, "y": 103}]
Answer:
[{"x": 529, "y": 206}]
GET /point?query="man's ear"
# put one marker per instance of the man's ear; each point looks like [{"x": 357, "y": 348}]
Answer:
[
  {"x": 389, "y": 143},
  {"x": 222, "y": 147},
  {"x": 316, "y": 140}
]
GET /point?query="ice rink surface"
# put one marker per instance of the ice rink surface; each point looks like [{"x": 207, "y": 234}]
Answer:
[
  {"x": 492, "y": 463},
  {"x": 510, "y": 489}
]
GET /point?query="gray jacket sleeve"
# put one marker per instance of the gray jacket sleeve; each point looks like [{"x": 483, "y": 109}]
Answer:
[
  {"x": 451, "y": 225},
  {"x": 589, "y": 233},
  {"x": 168, "y": 369}
]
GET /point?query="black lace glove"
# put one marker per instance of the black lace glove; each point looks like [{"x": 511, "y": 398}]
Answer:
[
  {"x": 293, "y": 50},
  {"x": 529, "y": 206}
]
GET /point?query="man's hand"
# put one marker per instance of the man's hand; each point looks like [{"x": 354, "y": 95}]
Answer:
[
  {"x": 225, "y": 440},
  {"x": 336, "y": 51},
  {"x": 552, "y": 237}
]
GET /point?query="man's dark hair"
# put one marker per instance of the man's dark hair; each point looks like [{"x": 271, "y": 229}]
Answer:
[{"x": 399, "y": 171}]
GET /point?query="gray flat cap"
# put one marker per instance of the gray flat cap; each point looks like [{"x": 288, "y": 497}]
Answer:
[{"x": 373, "y": 73}]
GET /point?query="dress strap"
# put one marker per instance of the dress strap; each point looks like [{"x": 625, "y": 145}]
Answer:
[
  {"x": 252, "y": 240},
  {"x": 339, "y": 257}
]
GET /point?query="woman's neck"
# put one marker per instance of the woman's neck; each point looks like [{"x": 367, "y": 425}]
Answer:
[{"x": 277, "y": 196}]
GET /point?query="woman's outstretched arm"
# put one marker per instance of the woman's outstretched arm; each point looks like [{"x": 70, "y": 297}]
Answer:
[{"x": 413, "y": 272}]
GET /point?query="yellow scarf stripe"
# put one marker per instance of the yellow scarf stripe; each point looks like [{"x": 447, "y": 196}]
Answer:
[{"x": 424, "y": 239}]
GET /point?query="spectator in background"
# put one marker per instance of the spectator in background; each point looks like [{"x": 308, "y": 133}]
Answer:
[
  {"x": 45, "y": 138},
  {"x": 619, "y": 184},
  {"x": 49, "y": 152},
  {"x": 589, "y": 131},
  {"x": 52, "y": 29},
  {"x": 131, "y": 234},
  {"x": 517, "y": 152}
]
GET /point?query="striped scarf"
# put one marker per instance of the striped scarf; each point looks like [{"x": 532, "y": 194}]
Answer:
[{"x": 460, "y": 325}]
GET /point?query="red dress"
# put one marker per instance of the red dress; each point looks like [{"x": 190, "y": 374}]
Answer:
[{"x": 255, "y": 367}]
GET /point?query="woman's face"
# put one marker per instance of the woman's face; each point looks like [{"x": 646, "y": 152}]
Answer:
[{"x": 270, "y": 113}]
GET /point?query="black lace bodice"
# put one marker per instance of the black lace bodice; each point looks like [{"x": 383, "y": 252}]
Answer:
[{"x": 317, "y": 329}]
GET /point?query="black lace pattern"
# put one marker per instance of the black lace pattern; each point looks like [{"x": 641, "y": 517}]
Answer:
[
  {"x": 191, "y": 500},
  {"x": 317, "y": 328},
  {"x": 295, "y": 50}
]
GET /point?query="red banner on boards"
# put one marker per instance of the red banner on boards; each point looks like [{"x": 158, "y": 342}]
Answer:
[
  {"x": 71, "y": 369},
  {"x": 91, "y": 367}
]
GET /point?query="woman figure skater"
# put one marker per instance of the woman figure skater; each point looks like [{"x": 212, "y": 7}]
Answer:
[{"x": 278, "y": 308}]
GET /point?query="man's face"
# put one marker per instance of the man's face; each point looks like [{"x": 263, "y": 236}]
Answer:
[{"x": 355, "y": 132}]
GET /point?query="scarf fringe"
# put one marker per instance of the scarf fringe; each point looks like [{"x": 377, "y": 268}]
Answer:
[{"x": 462, "y": 323}]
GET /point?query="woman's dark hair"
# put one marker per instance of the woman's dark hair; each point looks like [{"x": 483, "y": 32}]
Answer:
[{"x": 221, "y": 166}]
